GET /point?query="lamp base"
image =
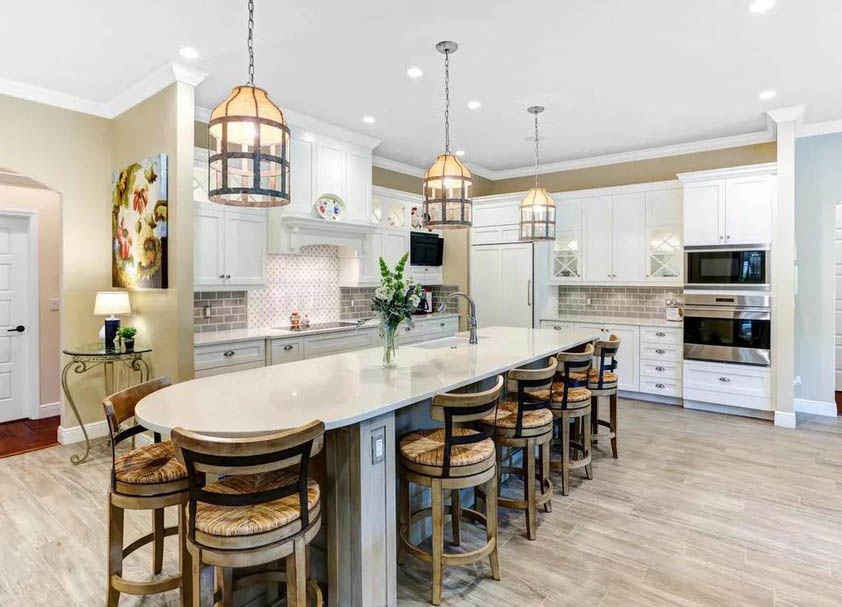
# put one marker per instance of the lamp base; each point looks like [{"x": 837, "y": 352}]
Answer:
[{"x": 111, "y": 326}]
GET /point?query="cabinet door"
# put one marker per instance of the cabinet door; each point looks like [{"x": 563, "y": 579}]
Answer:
[
  {"x": 358, "y": 196},
  {"x": 704, "y": 213},
  {"x": 208, "y": 249},
  {"x": 394, "y": 246},
  {"x": 486, "y": 283},
  {"x": 245, "y": 248},
  {"x": 628, "y": 356},
  {"x": 302, "y": 152},
  {"x": 748, "y": 210},
  {"x": 597, "y": 217},
  {"x": 664, "y": 259},
  {"x": 516, "y": 286},
  {"x": 629, "y": 249},
  {"x": 330, "y": 172},
  {"x": 568, "y": 215}
]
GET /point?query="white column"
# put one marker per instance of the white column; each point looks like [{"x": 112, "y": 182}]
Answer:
[{"x": 783, "y": 267}]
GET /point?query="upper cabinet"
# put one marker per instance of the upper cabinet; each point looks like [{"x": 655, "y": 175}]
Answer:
[
  {"x": 614, "y": 238},
  {"x": 729, "y": 206},
  {"x": 664, "y": 254}
]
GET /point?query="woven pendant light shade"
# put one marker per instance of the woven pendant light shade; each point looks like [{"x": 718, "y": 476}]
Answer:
[
  {"x": 537, "y": 215},
  {"x": 447, "y": 194},
  {"x": 248, "y": 164}
]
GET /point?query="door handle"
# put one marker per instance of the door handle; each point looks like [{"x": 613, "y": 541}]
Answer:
[
  {"x": 529, "y": 292},
  {"x": 18, "y": 329}
]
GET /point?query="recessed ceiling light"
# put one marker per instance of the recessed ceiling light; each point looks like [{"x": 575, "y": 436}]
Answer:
[
  {"x": 767, "y": 95},
  {"x": 188, "y": 52},
  {"x": 474, "y": 104},
  {"x": 460, "y": 152},
  {"x": 414, "y": 72},
  {"x": 369, "y": 119},
  {"x": 760, "y": 6}
]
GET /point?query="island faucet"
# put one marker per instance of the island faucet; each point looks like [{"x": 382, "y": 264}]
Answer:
[{"x": 472, "y": 315}]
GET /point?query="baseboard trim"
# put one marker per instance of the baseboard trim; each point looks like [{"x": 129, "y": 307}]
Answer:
[
  {"x": 785, "y": 419},
  {"x": 74, "y": 434},
  {"x": 815, "y": 407},
  {"x": 697, "y": 405},
  {"x": 49, "y": 410}
]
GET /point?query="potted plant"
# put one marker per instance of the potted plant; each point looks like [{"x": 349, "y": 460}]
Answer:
[
  {"x": 127, "y": 335},
  {"x": 394, "y": 302}
]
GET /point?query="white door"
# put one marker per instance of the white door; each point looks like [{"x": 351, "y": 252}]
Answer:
[
  {"x": 748, "y": 210},
  {"x": 629, "y": 231},
  {"x": 704, "y": 213},
  {"x": 838, "y": 250},
  {"x": 245, "y": 248},
  {"x": 394, "y": 246},
  {"x": 628, "y": 356},
  {"x": 597, "y": 215},
  {"x": 208, "y": 235},
  {"x": 486, "y": 280},
  {"x": 13, "y": 313},
  {"x": 516, "y": 288}
]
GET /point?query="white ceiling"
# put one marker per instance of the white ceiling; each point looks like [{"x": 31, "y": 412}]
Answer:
[{"x": 615, "y": 75}]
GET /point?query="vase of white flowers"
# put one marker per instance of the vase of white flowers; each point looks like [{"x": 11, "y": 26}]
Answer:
[{"x": 394, "y": 302}]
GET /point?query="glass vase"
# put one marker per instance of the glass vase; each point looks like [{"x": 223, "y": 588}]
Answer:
[{"x": 390, "y": 346}]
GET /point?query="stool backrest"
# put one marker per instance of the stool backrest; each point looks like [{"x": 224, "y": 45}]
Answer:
[
  {"x": 534, "y": 379},
  {"x": 248, "y": 455},
  {"x": 606, "y": 353},
  {"x": 576, "y": 361},
  {"x": 457, "y": 408}
]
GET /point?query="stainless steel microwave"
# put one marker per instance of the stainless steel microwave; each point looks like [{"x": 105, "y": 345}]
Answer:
[{"x": 743, "y": 267}]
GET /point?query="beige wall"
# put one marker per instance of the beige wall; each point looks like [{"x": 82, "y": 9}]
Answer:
[
  {"x": 47, "y": 205},
  {"x": 396, "y": 181}
]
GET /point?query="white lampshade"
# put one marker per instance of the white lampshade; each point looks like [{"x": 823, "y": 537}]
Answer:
[{"x": 112, "y": 302}]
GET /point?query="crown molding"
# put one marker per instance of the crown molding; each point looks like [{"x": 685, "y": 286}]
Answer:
[
  {"x": 766, "y": 168},
  {"x": 152, "y": 83},
  {"x": 819, "y": 128},
  {"x": 632, "y": 188},
  {"x": 794, "y": 113},
  {"x": 398, "y": 194},
  {"x": 398, "y": 167}
]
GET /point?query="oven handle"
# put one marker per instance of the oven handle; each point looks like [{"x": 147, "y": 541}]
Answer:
[{"x": 728, "y": 313}]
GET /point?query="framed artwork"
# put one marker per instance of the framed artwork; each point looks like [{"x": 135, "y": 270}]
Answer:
[{"x": 139, "y": 225}]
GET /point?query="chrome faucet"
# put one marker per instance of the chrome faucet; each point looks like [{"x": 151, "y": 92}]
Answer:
[{"x": 472, "y": 315}]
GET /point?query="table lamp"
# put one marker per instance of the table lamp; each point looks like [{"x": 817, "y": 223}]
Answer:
[{"x": 108, "y": 304}]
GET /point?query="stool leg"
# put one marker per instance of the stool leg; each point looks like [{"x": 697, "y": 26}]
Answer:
[
  {"x": 529, "y": 489},
  {"x": 203, "y": 583},
  {"x": 115, "y": 551},
  {"x": 296, "y": 576},
  {"x": 185, "y": 563},
  {"x": 545, "y": 474},
  {"x": 594, "y": 414},
  {"x": 565, "y": 453},
  {"x": 438, "y": 539},
  {"x": 227, "y": 587},
  {"x": 586, "y": 449},
  {"x": 491, "y": 523},
  {"x": 613, "y": 404},
  {"x": 456, "y": 515},
  {"x": 499, "y": 454},
  {"x": 405, "y": 512},
  {"x": 157, "y": 540}
]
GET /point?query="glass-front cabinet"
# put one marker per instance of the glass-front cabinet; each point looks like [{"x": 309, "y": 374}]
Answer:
[
  {"x": 566, "y": 252},
  {"x": 664, "y": 227}
]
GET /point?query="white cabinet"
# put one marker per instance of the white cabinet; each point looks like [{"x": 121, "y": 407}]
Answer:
[
  {"x": 599, "y": 234},
  {"x": 627, "y": 355},
  {"x": 614, "y": 238},
  {"x": 216, "y": 359},
  {"x": 557, "y": 325},
  {"x": 566, "y": 252},
  {"x": 664, "y": 252},
  {"x": 729, "y": 206},
  {"x": 229, "y": 247},
  {"x": 429, "y": 328},
  {"x": 494, "y": 234},
  {"x": 285, "y": 350},
  {"x": 661, "y": 353},
  {"x": 501, "y": 284},
  {"x": 726, "y": 384}
]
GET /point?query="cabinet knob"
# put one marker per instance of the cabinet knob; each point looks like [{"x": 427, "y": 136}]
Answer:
[
  {"x": 725, "y": 380},
  {"x": 228, "y": 353},
  {"x": 222, "y": 275},
  {"x": 661, "y": 369},
  {"x": 557, "y": 328},
  {"x": 227, "y": 276},
  {"x": 660, "y": 334},
  {"x": 288, "y": 347},
  {"x": 660, "y": 386},
  {"x": 441, "y": 324},
  {"x": 727, "y": 238},
  {"x": 660, "y": 351}
]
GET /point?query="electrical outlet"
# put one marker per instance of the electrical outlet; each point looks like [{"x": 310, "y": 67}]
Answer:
[
  {"x": 589, "y": 300},
  {"x": 206, "y": 311},
  {"x": 378, "y": 446}
]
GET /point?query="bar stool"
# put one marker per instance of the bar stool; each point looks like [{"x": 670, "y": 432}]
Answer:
[
  {"x": 602, "y": 381},
  {"x": 451, "y": 458},
  {"x": 263, "y": 508},
  {"x": 526, "y": 424},
  {"x": 146, "y": 478}
]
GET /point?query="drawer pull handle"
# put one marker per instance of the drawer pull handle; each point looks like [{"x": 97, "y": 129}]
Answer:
[
  {"x": 660, "y": 351},
  {"x": 660, "y": 334},
  {"x": 660, "y": 369},
  {"x": 725, "y": 379},
  {"x": 660, "y": 386},
  {"x": 557, "y": 328},
  {"x": 441, "y": 324},
  {"x": 228, "y": 353},
  {"x": 288, "y": 347}
]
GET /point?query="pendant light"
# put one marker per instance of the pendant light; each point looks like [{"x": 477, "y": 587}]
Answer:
[
  {"x": 248, "y": 164},
  {"x": 448, "y": 183},
  {"x": 537, "y": 209}
]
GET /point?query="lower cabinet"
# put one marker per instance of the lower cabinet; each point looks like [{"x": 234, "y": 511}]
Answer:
[
  {"x": 627, "y": 360},
  {"x": 725, "y": 384},
  {"x": 323, "y": 344},
  {"x": 426, "y": 330},
  {"x": 216, "y": 359},
  {"x": 661, "y": 353}
]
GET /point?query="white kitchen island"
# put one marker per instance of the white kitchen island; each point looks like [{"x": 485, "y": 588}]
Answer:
[{"x": 357, "y": 399}]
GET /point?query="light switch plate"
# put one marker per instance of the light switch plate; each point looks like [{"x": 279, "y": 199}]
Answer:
[
  {"x": 378, "y": 445},
  {"x": 55, "y": 304}
]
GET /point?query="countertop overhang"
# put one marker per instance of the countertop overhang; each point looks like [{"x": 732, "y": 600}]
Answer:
[{"x": 344, "y": 389}]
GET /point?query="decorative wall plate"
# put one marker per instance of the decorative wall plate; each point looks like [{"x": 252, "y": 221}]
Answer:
[{"x": 330, "y": 207}]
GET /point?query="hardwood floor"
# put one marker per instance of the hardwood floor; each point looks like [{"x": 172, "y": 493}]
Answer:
[
  {"x": 700, "y": 510},
  {"x": 24, "y": 435}
]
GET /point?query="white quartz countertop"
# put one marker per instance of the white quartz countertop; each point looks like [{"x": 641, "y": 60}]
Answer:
[
  {"x": 344, "y": 389},
  {"x": 616, "y": 320},
  {"x": 220, "y": 337}
]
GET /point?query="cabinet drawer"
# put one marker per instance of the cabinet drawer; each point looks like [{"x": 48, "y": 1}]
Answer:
[
  {"x": 660, "y": 369},
  {"x": 661, "y": 335},
  {"x": 664, "y": 387},
  {"x": 557, "y": 325},
  {"x": 660, "y": 352},
  {"x": 227, "y": 354},
  {"x": 322, "y": 345},
  {"x": 286, "y": 350},
  {"x": 735, "y": 380},
  {"x": 437, "y": 326}
]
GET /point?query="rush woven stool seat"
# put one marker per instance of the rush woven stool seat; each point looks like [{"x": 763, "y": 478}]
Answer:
[
  {"x": 451, "y": 458},
  {"x": 526, "y": 424},
  {"x": 602, "y": 381},
  {"x": 146, "y": 478},
  {"x": 263, "y": 509}
]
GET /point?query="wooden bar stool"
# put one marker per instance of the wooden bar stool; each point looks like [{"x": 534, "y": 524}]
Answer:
[
  {"x": 571, "y": 403},
  {"x": 263, "y": 508},
  {"x": 602, "y": 381},
  {"x": 451, "y": 458},
  {"x": 146, "y": 478},
  {"x": 526, "y": 424}
]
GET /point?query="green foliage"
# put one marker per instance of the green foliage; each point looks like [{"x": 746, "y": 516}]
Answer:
[
  {"x": 127, "y": 332},
  {"x": 397, "y": 297}
]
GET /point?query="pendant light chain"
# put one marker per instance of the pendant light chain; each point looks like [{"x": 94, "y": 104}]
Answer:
[
  {"x": 251, "y": 42},
  {"x": 536, "y": 150},
  {"x": 447, "y": 102}
]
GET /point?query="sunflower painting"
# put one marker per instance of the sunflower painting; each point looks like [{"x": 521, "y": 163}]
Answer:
[{"x": 139, "y": 225}]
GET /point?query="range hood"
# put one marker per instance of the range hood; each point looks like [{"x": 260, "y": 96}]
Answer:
[{"x": 296, "y": 231}]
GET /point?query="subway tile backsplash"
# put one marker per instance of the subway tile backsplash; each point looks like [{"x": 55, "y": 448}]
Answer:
[
  {"x": 640, "y": 302},
  {"x": 356, "y": 302},
  {"x": 228, "y": 310}
]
